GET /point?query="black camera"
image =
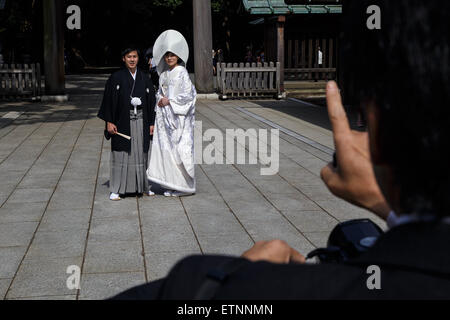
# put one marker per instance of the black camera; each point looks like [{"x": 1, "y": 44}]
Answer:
[{"x": 348, "y": 240}]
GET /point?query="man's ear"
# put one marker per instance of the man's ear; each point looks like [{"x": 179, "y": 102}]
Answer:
[{"x": 373, "y": 122}]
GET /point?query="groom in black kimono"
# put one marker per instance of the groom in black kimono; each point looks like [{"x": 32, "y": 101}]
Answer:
[{"x": 128, "y": 109}]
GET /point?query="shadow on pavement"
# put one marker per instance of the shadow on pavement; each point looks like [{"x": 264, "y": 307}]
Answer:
[
  {"x": 85, "y": 95},
  {"x": 313, "y": 111}
]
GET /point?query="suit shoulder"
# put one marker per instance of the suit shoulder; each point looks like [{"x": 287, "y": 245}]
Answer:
[
  {"x": 143, "y": 71},
  {"x": 118, "y": 75}
]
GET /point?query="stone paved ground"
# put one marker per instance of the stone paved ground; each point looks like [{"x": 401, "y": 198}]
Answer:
[{"x": 55, "y": 212}]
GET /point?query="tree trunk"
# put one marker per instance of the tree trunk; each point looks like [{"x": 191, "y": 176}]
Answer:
[
  {"x": 54, "y": 47},
  {"x": 203, "y": 46}
]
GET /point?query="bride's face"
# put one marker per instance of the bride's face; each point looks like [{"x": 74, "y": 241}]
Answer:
[{"x": 171, "y": 59}]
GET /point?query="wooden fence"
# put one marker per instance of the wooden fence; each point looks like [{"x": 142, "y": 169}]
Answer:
[
  {"x": 310, "y": 74},
  {"x": 248, "y": 80},
  {"x": 20, "y": 81},
  {"x": 302, "y": 58}
]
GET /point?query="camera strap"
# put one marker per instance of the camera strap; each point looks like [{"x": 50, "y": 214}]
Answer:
[{"x": 216, "y": 277}]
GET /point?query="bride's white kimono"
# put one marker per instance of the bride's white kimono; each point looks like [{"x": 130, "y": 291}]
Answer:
[{"x": 172, "y": 154}]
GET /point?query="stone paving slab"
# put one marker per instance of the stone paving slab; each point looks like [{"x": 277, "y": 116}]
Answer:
[
  {"x": 234, "y": 243},
  {"x": 70, "y": 200},
  {"x": 31, "y": 195},
  {"x": 10, "y": 258},
  {"x": 42, "y": 181},
  {"x": 215, "y": 222},
  {"x": 4, "y": 285},
  {"x": 294, "y": 200},
  {"x": 3, "y": 197},
  {"x": 311, "y": 221},
  {"x": 65, "y": 220},
  {"x": 163, "y": 226},
  {"x": 75, "y": 185},
  {"x": 166, "y": 240},
  {"x": 55, "y": 209},
  {"x": 106, "y": 209},
  {"x": 318, "y": 239},
  {"x": 105, "y": 285},
  {"x": 12, "y": 179},
  {"x": 120, "y": 229},
  {"x": 342, "y": 210},
  {"x": 15, "y": 138},
  {"x": 42, "y": 277},
  {"x": 113, "y": 257},
  {"x": 58, "y": 244},
  {"x": 22, "y": 212},
  {"x": 312, "y": 132},
  {"x": 7, "y": 187},
  {"x": 52, "y": 298},
  {"x": 16, "y": 233}
]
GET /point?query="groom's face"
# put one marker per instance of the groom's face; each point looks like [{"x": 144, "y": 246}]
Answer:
[{"x": 131, "y": 60}]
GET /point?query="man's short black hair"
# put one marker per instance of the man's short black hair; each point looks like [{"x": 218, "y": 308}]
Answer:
[
  {"x": 404, "y": 67},
  {"x": 130, "y": 49}
]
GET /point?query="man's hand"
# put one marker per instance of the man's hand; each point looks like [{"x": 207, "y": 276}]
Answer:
[
  {"x": 354, "y": 179},
  {"x": 152, "y": 128},
  {"x": 163, "y": 102},
  {"x": 112, "y": 129},
  {"x": 276, "y": 251}
]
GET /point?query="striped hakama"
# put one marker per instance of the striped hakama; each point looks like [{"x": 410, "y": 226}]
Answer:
[{"x": 128, "y": 170}]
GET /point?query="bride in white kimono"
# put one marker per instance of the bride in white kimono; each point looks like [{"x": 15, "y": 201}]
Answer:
[{"x": 172, "y": 155}]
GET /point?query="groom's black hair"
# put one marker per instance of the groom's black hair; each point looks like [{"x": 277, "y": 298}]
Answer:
[{"x": 130, "y": 49}]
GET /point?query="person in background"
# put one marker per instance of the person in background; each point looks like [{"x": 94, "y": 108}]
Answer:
[
  {"x": 319, "y": 61},
  {"x": 220, "y": 57},
  {"x": 319, "y": 58},
  {"x": 152, "y": 68},
  {"x": 258, "y": 56},
  {"x": 248, "y": 56},
  {"x": 263, "y": 56},
  {"x": 214, "y": 61}
]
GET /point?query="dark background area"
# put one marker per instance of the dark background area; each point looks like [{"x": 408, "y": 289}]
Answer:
[{"x": 109, "y": 26}]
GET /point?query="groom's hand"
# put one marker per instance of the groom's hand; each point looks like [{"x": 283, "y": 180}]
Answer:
[
  {"x": 152, "y": 128},
  {"x": 112, "y": 129}
]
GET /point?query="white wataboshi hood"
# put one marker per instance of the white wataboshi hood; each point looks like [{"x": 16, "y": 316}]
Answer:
[{"x": 173, "y": 41}]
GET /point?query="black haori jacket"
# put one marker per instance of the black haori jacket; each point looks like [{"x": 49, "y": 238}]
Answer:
[{"x": 116, "y": 106}]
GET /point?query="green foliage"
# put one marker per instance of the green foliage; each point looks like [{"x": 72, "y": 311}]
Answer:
[
  {"x": 17, "y": 16},
  {"x": 217, "y": 5},
  {"x": 172, "y": 4}
]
